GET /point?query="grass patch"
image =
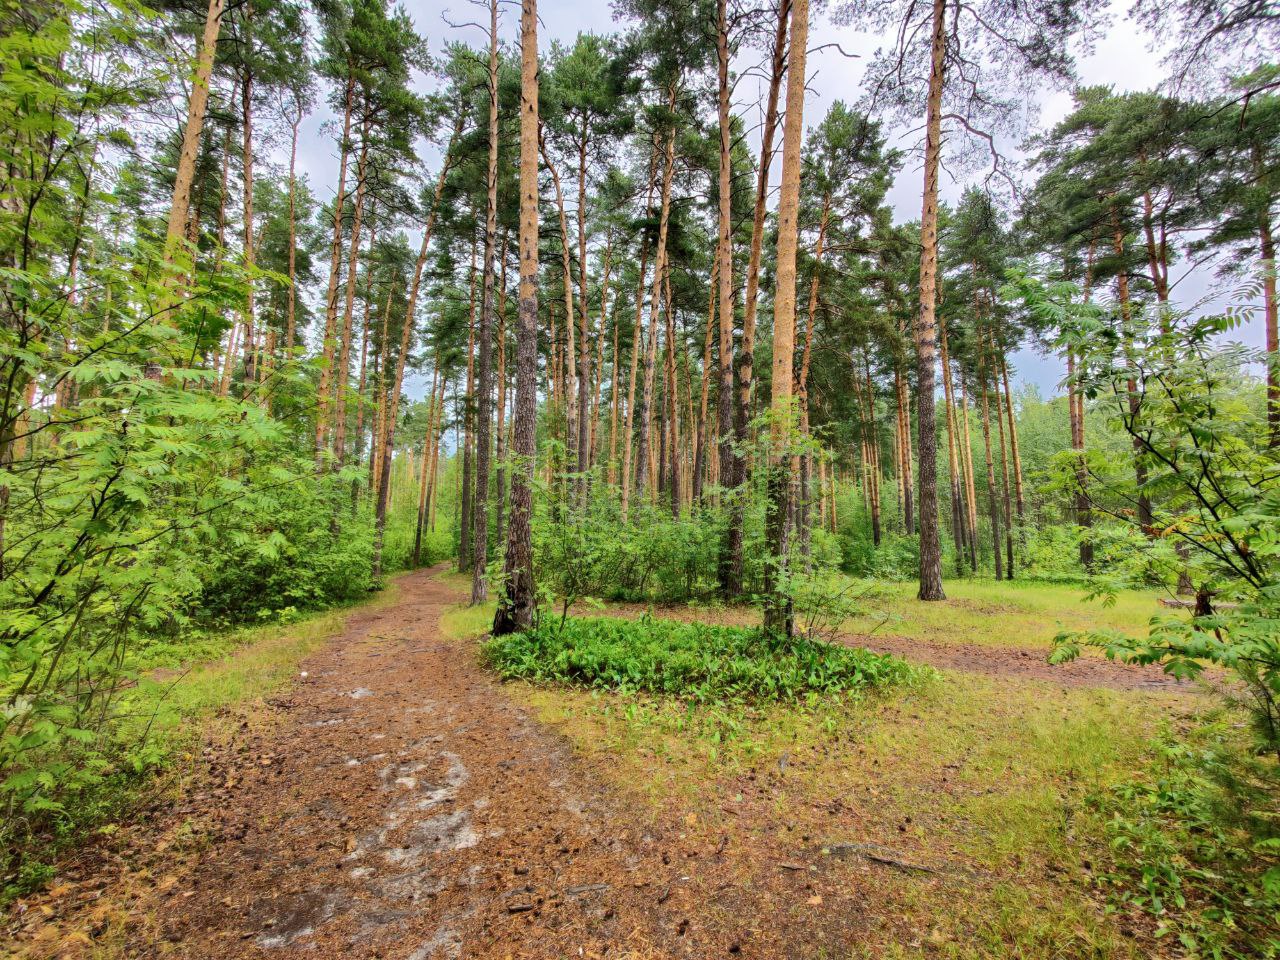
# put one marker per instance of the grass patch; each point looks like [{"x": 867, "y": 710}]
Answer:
[
  {"x": 1000, "y": 613},
  {"x": 697, "y": 662}
]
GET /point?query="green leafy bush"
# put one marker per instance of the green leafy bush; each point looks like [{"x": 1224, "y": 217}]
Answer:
[
  {"x": 694, "y": 661},
  {"x": 1197, "y": 845}
]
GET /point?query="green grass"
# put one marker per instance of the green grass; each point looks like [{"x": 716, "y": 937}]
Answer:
[
  {"x": 239, "y": 667},
  {"x": 697, "y": 662},
  {"x": 999, "y": 613}
]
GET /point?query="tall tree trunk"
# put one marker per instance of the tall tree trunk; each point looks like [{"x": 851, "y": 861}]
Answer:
[
  {"x": 1014, "y": 452},
  {"x": 343, "y": 372},
  {"x": 1267, "y": 250},
  {"x": 1005, "y": 470},
  {"x": 197, "y": 107},
  {"x": 516, "y": 605},
  {"x": 1126, "y": 312},
  {"x": 382, "y": 484},
  {"x": 428, "y": 445},
  {"x": 291, "y": 323},
  {"x": 637, "y": 338},
  {"x": 659, "y": 271},
  {"x": 905, "y": 459},
  {"x": 700, "y": 441},
  {"x": 724, "y": 252},
  {"x": 959, "y": 526},
  {"x": 484, "y": 403},
  {"x": 246, "y": 129},
  {"x": 672, "y": 401},
  {"x": 992, "y": 503},
  {"x": 731, "y": 580},
  {"x": 926, "y": 327},
  {"x": 500, "y": 430},
  {"x": 966, "y": 461},
  {"x": 802, "y": 385},
  {"x": 584, "y": 354},
  {"x": 778, "y": 613},
  {"x": 466, "y": 504},
  {"x": 335, "y": 269},
  {"x": 571, "y": 387}
]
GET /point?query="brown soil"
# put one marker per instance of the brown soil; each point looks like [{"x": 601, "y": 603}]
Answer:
[{"x": 397, "y": 803}]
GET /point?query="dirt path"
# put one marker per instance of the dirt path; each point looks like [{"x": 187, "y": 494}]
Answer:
[
  {"x": 404, "y": 809},
  {"x": 402, "y": 806},
  {"x": 1025, "y": 664}
]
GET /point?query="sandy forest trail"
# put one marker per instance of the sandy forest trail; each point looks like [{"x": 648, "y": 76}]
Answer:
[{"x": 402, "y": 806}]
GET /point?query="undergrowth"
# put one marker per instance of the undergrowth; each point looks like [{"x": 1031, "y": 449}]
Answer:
[
  {"x": 697, "y": 662},
  {"x": 1196, "y": 844}
]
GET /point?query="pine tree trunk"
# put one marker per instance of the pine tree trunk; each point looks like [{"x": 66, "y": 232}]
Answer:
[
  {"x": 516, "y": 605},
  {"x": 659, "y": 268},
  {"x": 966, "y": 463},
  {"x": 500, "y": 429},
  {"x": 672, "y": 404},
  {"x": 926, "y": 327},
  {"x": 465, "y": 502},
  {"x": 637, "y": 338},
  {"x": 246, "y": 128},
  {"x": 584, "y": 343},
  {"x": 724, "y": 272},
  {"x": 958, "y": 524},
  {"x": 700, "y": 441},
  {"x": 428, "y": 443},
  {"x": 1267, "y": 250},
  {"x": 571, "y": 388},
  {"x": 335, "y": 269},
  {"x": 291, "y": 324},
  {"x": 1126, "y": 312},
  {"x": 1005, "y": 470},
  {"x": 731, "y": 579},
  {"x": 778, "y": 613},
  {"x": 904, "y": 453},
  {"x": 484, "y": 402},
  {"x": 384, "y": 452},
  {"x": 344, "y": 348},
  {"x": 992, "y": 503},
  {"x": 197, "y": 107},
  {"x": 1014, "y": 453}
]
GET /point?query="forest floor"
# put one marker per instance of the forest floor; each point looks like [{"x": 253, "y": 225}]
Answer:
[{"x": 396, "y": 801}]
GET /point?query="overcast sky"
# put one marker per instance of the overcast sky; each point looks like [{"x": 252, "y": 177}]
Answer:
[{"x": 1123, "y": 59}]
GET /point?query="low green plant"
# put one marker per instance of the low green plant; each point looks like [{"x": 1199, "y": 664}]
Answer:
[
  {"x": 693, "y": 661},
  {"x": 1197, "y": 845}
]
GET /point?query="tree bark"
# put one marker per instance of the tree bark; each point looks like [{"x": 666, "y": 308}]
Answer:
[
  {"x": 724, "y": 252},
  {"x": 637, "y": 338},
  {"x": 197, "y": 107},
  {"x": 484, "y": 406},
  {"x": 926, "y": 327},
  {"x": 335, "y": 269},
  {"x": 344, "y": 348},
  {"x": 731, "y": 579},
  {"x": 516, "y": 605},
  {"x": 1145, "y": 519},
  {"x": 659, "y": 269},
  {"x": 992, "y": 504},
  {"x": 778, "y": 613}
]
